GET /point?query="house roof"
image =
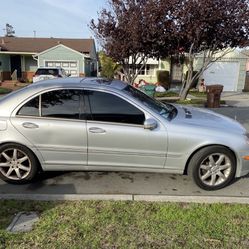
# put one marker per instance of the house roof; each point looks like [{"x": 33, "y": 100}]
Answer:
[{"x": 37, "y": 45}]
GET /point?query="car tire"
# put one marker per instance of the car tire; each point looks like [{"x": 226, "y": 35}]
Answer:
[
  {"x": 213, "y": 167},
  {"x": 18, "y": 164}
]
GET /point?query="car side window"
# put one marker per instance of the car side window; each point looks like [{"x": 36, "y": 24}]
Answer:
[
  {"x": 61, "y": 104},
  {"x": 111, "y": 108},
  {"x": 31, "y": 108}
]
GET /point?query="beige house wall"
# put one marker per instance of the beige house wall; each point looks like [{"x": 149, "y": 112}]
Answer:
[{"x": 162, "y": 65}]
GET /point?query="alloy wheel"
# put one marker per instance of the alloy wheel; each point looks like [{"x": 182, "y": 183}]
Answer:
[
  {"x": 215, "y": 169},
  {"x": 15, "y": 164}
]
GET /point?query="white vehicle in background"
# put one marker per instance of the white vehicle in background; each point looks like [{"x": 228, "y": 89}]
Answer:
[{"x": 46, "y": 73}]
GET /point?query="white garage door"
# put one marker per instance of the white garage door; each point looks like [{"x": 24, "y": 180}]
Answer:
[
  {"x": 71, "y": 67},
  {"x": 224, "y": 73}
]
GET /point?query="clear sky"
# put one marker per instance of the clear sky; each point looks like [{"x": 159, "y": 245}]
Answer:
[{"x": 50, "y": 18}]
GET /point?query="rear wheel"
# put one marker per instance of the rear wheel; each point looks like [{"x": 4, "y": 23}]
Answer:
[
  {"x": 17, "y": 163},
  {"x": 213, "y": 167}
]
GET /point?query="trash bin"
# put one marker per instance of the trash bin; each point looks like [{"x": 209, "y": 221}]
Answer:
[
  {"x": 213, "y": 95},
  {"x": 148, "y": 89}
]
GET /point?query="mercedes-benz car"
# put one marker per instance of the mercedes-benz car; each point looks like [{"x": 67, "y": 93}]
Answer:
[{"x": 92, "y": 124}]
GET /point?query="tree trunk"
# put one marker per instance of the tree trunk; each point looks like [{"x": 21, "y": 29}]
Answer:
[
  {"x": 189, "y": 80},
  {"x": 184, "y": 93}
]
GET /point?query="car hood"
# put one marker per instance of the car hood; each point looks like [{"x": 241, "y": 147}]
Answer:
[{"x": 206, "y": 118}]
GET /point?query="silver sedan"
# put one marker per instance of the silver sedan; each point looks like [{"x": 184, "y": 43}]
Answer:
[{"x": 96, "y": 124}]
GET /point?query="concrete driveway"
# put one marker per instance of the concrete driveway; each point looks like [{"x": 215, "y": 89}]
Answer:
[{"x": 60, "y": 185}]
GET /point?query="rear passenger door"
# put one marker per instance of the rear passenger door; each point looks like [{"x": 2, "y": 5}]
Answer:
[{"x": 53, "y": 123}]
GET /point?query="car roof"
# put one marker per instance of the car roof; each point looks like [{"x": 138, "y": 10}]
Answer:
[{"x": 83, "y": 81}]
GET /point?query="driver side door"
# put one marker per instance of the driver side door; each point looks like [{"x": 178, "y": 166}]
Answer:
[{"x": 116, "y": 134}]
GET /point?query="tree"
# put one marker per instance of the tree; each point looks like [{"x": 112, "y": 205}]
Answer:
[
  {"x": 134, "y": 30},
  {"x": 210, "y": 28},
  {"x": 9, "y": 30},
  {"x": 108, "y": 67},
  {"x": 130, "y": 30}
]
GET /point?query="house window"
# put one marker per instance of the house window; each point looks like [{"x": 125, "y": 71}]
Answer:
[
  {"x": 142, "y": 70},
  {"x": 148, "y": 69}
]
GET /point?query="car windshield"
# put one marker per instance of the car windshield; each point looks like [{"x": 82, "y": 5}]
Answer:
[
  {"x": 165, "y": 110},
  {"x": 44, "y": 71}
]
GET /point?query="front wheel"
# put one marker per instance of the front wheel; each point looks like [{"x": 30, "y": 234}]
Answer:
[
  {"x": 213, "y": 167},
  {"x": 17, "y": 163}
]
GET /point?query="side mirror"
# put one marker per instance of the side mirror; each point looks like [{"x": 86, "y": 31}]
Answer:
[{"x": 150, "y": 124}]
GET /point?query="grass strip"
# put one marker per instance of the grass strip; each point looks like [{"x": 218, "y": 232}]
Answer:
[{"x": 117, "y": 224}]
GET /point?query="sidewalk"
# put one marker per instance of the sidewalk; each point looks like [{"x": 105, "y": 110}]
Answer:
[{"x": 236, "y": 99}]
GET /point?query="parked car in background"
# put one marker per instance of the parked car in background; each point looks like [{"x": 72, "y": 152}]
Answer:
[
  {"x": 45, "y": 73},
  {"x": 108, "y": 125}
]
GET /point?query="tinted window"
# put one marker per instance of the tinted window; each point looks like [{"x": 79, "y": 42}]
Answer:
[
  {"x": 47, "y": 71},
  {"x": 61, "y": 104},
  {"x": 110, "y": 108},
  {"x": 31, "y": 108},
  {"x": 165, "y": 110}
]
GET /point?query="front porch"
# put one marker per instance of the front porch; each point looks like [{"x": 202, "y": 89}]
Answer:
[{"x": 23, "y": 67}]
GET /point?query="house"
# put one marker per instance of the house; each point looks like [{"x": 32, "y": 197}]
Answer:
[
  {"x": 77, "y": 56},
  {"x": 229, "y": 71}
]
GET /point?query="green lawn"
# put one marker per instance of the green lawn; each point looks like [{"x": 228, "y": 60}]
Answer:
[
  {"x": 201, "y": 102},
  {"x": 166, "y": 94},
  {"x": 198, "y": 94},
  {"x": 109, "y": 224},
  {"x": 4, "y": 90}
]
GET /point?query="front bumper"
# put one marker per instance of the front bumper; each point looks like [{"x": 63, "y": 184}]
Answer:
[{"x": 243, "y": 166}]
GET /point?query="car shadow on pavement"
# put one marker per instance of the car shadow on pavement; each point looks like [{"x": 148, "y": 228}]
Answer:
[{"x": 45, "y": 175}]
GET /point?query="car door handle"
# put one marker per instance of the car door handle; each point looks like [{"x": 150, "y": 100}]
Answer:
[
  {"x": 30, "y": 125},
  {"x": 96, "y": 130}
]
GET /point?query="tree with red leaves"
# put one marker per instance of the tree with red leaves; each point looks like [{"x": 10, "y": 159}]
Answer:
[
  {"x": 210, "y": 28},
  {"x": 132, "y": 31}
]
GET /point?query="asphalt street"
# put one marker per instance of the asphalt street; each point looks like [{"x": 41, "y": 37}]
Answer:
[{"x": 123, "y": 183}]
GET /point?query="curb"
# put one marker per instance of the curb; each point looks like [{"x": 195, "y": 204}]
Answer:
[
  {"x": 127, "y": 197},
  {"x": 65, "y": 197}
]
